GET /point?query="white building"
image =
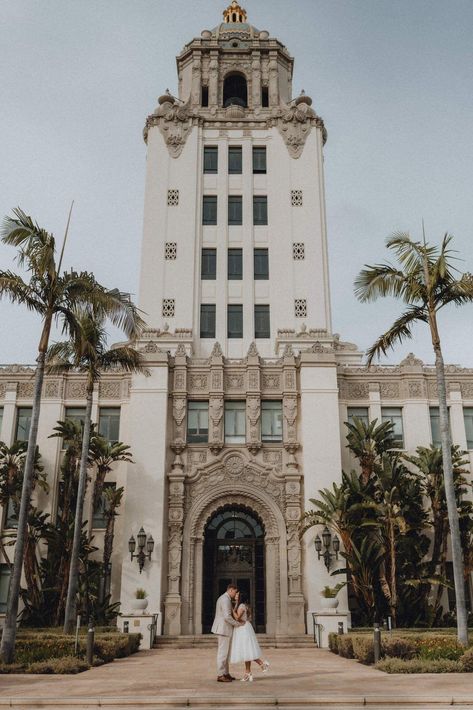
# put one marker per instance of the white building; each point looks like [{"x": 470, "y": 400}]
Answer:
[{"x": 240, "y": 421}]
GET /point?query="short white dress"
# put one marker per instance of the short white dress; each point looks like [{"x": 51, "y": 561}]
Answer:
[{"x": 245, "y": 646}]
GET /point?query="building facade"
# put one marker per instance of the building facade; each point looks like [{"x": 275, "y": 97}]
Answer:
[{"x": 240, "y": 418}]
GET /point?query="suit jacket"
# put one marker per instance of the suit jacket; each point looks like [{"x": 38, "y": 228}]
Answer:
[{"x": 224, "y": 621}]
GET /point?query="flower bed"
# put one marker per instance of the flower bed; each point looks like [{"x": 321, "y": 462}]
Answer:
[
  {"x": 50, "y": 651},
  {"x": 406, "y": 651}
]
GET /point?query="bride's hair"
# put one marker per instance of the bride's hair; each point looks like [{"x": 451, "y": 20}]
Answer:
[{"x": 244, "y": 599}]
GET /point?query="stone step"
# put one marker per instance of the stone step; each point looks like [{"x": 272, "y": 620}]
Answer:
[{"x": 209, "y": 640}]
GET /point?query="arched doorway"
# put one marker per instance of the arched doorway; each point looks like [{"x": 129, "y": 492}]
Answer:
[
  {"x": 235, "y": 90},
  {"x": 234, "y": 553}
]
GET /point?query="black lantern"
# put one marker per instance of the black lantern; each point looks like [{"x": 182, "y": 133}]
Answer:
[
  {"x": 144, "y": 541},
  {"x": 327, "y": 542}
]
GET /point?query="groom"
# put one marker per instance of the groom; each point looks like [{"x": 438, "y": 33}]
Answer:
[{"x": 223, "y": 628}]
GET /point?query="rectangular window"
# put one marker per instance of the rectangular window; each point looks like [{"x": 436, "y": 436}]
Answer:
[
  {"x": 271, "y": 420},
  {"x": 261, "y": 264},
  {"x": 262, "y": 325},
  {"x": 205, "y": 96},
  {"x": 435, "y": 426},
  {"x": 234, "y": 321},
  {"x": 23, "y": 423},
  {"x": 359, "y": 413},
  {"x": 235, "y": 422},
  {"x": 259, "y": 160},
  {"x": 235, "y": 210},
  {"x": 99, "y": 518},
  {"x": 235, "y": 264},
  {"x": 109, "y": 423},
  {"x": 260, "y": 209},
  {"x": 4, "y": 584},
  {"x": 468, "y": 419},
  {"x": 264, "y": 97},
  {"x": 207, "y": 320},
  {"x": 197, "y": 422},
  {"x": 209, "y": 265},
  {"x": 209, "y": 209},
  {"x": 394, "y": 414},
  {"x": 235, "y": 162},
  {"x": 210, "y": 159},
  {"x": 76, "y": 414}
]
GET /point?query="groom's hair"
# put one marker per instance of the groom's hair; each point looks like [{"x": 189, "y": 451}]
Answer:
[{"x": 231, "y": 586}]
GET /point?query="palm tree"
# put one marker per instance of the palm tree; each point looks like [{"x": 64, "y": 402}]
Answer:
[
  {"x": 86, "y": 352},
  {"x": 368, "y": 441},
  {"x": 103, "y": 454},
  {"x": 112, "y": 502},
  {"x": 425, "y": 281},
  {"x": 53, "y": 295}
]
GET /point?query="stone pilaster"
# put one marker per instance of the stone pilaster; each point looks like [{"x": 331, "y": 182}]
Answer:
[{"x": 173, "y": 602}]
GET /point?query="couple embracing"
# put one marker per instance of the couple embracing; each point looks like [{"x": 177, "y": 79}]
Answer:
[{"x": 236, "y": 637}]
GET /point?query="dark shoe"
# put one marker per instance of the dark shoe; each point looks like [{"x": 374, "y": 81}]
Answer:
[
  {"x": 224, "y": 679},
  {"x": 230, "y": 677}
]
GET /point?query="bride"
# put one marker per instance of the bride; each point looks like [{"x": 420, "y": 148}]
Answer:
[{"x": 245, "y": 646}]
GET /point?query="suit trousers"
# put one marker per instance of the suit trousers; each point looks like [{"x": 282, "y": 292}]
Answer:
[{"x": 223, "y": 652}]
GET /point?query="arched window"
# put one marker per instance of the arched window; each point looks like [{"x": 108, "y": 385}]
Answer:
[{"x": 235, "y": 90}]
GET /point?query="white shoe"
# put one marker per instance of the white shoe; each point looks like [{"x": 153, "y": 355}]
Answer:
[
  {"x": 265, "y": 666},
  {"x": 247, "y": 678}
]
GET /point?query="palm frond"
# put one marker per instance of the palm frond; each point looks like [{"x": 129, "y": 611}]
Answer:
[
  {"x": 18, "y": 291},
  {"x": 400, "y": 330},
  {"x": 379, "y": 280}
]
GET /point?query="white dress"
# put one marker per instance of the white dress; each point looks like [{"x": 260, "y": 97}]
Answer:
[{"x": 245, "y": 646}]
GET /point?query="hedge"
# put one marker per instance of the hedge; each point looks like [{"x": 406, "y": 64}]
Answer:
[
  {"x": 419, "y": 665},
  {"x": 52, "y": 652}
]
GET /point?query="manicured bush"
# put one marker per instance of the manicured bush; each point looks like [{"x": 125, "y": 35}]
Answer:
[
  {"x": 12, "y": 668},
  {"x": 438, "y": 647},
  {"x": 398, "y": 647},
  {"x": 363, "y": 649},
  {"x": 467, "y": 660},
  {"x": 345, "y": 646},
  {"x": 66, "y": 664},
  {"x": 419, "y": 665},
  {"x": 333, "y": 642}
]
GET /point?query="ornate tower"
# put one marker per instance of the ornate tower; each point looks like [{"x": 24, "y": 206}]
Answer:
[{"x": 234, "y": 245}]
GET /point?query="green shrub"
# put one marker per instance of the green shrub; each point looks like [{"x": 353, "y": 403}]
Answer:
[
  {"x": 333, "y": 642},
  {"x": 363, "y": 649},
  {"x": 12, "y": 668},
  {"x": 419, "y": 665},
  {"x": 398, "y": 647},
  {"x": 438, "y": 647},
  {"x": 467, "y": 660},
  {"x": 66, "y": 664},
  {"x": 42, "y": 648},
  {"x": 345, "y": 646}
]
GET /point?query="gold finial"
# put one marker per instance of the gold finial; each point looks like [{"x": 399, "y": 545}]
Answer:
[{"x": 234, "y": 13}]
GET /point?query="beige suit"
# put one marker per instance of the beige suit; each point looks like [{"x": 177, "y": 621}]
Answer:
[{"x": 223, "y": 628}]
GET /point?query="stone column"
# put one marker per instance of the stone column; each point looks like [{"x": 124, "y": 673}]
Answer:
[
  {"x": 253, "y": 401},
  {"x": 172, "y": 602},
  {"x": 256, "y": 81},
  {"x": 216, "y": 405},
  {"x": 196, "y": 79},
  {"x": 213, "y": 80},
  {"x": 273, "y": 80}
]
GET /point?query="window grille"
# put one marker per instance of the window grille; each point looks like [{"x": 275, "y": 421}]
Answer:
[
  {"x": 298, "y": 251},
  {"x": 300, "y": 308},
  {"x": 169, "y": 306},
  {"x": 173, "y": 198},
  {"x": 170, "y": 250},
  {"x": 296, "y": 198}
]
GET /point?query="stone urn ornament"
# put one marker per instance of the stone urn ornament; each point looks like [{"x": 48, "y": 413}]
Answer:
[
  {"x": 328, "y": 596},
  {"x": 140, "y": 602}
]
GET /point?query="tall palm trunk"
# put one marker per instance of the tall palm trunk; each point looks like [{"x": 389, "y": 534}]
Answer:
[
  {"x": 71, "y": 603},
  {"x": 7, "y": 648},
  {"x": 457, "y": 554}
]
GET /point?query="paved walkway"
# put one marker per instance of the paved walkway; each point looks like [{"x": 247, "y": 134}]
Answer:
[{"x": 297, "y": 678}]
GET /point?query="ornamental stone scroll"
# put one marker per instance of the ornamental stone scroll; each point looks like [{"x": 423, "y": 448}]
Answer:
[
  {"x": 179, "y": 407},
  {"x": 216, "y": 423},
  {"x": 290, "y": 417},
  {"x": 253, "y": 414}
]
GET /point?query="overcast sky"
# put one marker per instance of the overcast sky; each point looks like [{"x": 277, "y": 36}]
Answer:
[{"x": 392, "y": 80}]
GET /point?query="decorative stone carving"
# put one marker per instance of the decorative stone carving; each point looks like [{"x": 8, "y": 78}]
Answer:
[
  {"x": 290, "y": 379},
  {"x": 271, "y": 381},
  {"x": 175, "y": 526},
  {"x": 197, "y": 457},
  {"x": 253, "y": 413},
  {"x": 356, "y": 390},
  {"x": 179, "y": 380},
  {"x": 181, "y": 350},
  {"x": 290, "y": 416},
  {"x": 216, "y": 380},
  {"x": 76, "y": 389},
  {"x": 252, "y": 350},
  {"x": 274, "y": 459},
  {"x": 174, "y": 122},
  {"x": 389, "y": 390},
  {"x": 25, "y": 390},
  {"x": 109, "y": 390},
  {"x": 198, "y": 382},
  {"x": 410, "y": 361},
  {"x": 233, "y": 381},
  {"x": 467, "y": 390},
  {"x": 2, "y": 389},
  {"x": 52, "y": 388},
  {"x": 234, "y": 465},
  {"x": 294, "y": 123},
  {"x": 16, "y": 369},
  {"x": 217, "y": 350},
  {"x": 216, "y": 422},
  {"x": 415, "y": 388},
  {"x": 432, "y": 389},
  {"x": 179, "y": 407}
]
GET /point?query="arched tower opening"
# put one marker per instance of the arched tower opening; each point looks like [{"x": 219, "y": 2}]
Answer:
[{"x": 235, "y": 90}]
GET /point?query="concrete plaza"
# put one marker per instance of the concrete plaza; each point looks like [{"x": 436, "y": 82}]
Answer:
[{"x": 299, "y": 678}]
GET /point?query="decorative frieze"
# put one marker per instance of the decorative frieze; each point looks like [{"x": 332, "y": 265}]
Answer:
[
  {"x": 198, "y": 382},
  {"x": 271, "y": 381},
  {"x": 233, "y": 381},
  {"x": 109, "y": 389},
  {"x": 25, "y": 390},
  {"x": 389, "y": 390},
  {"x": 76, "y": 389}
]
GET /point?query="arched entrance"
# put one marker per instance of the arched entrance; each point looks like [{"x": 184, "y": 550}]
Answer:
[
  {"x": 235, "y": 90},
  {"x": 234, "y": 553}
]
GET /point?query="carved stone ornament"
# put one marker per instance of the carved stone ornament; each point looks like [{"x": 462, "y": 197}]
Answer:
[
  {"x": 410, "y": 361},
  {"x": 217, "y": 350},
  {"x": 290, "y": 416},
  {"x": 294, "y": 123},
  {"x": 252, "y": 350},
  {"x": 174, "y": 122},
  {"x": 110, "y": 390},
  {"x": 179, "y": 406}
]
